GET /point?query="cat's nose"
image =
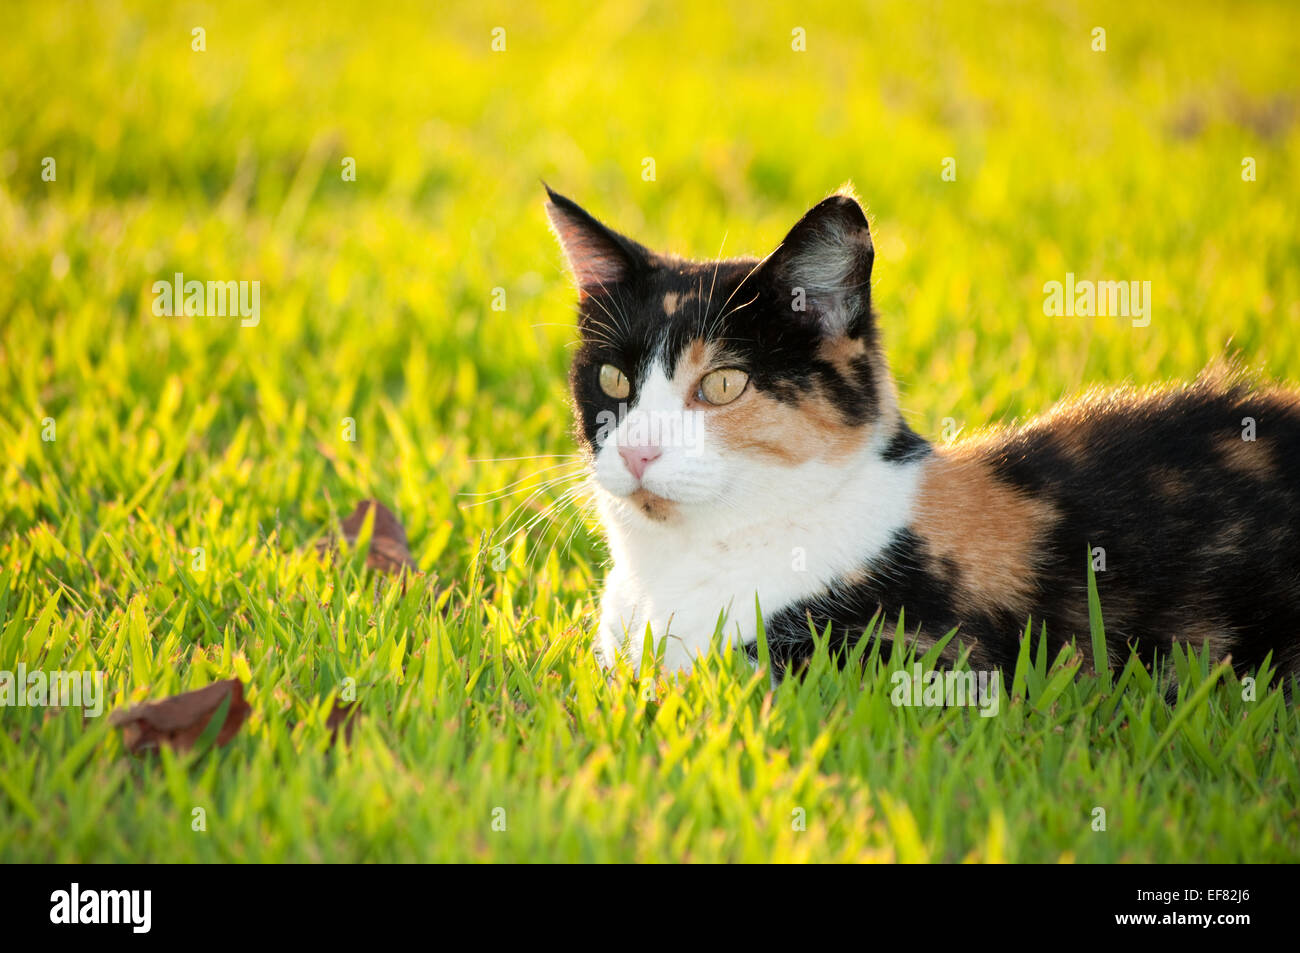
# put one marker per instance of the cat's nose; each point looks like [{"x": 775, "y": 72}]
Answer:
[{"x": 638, "y": 458}]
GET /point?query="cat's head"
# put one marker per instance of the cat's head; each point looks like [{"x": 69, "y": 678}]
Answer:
[{"x": 713, "y": 384}]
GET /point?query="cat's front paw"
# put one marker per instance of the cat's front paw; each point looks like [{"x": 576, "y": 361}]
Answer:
[
  {"x": 623, "y": 637},
  {"x": 611, "y": 645}
]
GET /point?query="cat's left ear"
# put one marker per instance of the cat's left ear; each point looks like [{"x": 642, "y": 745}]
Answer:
[
  {"x": 599, "y": 257},
  {"x": 823, "y": 268}
]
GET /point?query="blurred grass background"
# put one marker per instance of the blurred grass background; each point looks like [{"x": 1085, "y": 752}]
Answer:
[{"x": 376, "y": 295}]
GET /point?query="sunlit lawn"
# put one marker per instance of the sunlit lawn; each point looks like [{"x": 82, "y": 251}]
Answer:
[{"x": 486, "y": 732}]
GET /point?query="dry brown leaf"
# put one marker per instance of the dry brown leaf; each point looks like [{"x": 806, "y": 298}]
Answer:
[
  {"x": 344, "y": 717},
  {"x": 388, "y": 549},
  {"x": 179, "y": 721}
]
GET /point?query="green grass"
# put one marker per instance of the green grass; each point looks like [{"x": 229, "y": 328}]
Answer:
[{"x": 477, "y": 685}]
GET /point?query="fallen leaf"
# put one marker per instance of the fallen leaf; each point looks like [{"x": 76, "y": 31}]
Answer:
[
  {"x": 388, "y": 549},
  {"x": 344, "y": 717},
  {"x": 179, "y": 721}
]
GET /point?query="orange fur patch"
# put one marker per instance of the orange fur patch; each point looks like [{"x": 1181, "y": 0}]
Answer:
[
  {"x": 652, "y": 505},
  {"x": 788, "y": 433},
  {"x": 693, "y": 364},
  {"x": 759, "y": 423},
  {"x": 988, "y": 530},
  {"x": 841, "y": 353}
]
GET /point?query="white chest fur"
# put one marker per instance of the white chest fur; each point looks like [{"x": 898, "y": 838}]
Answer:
[{"x": 826, "y": 522}]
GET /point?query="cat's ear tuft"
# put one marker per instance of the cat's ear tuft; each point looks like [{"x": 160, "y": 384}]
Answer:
[
  {"x": 824, "y": 264},
  {"x": 598, "y": 257}
]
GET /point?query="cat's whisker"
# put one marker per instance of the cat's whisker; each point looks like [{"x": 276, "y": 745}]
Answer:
[
  {"x": 505, "y": 526},
  {"x": 762, "y": 261},
  {"x": 607, "y": 329},
  {"x": 613, "y": 300},
  {"x": 543, "y": 514},
  {"x": 716, "y": 265},
  {"x": 510, "y": 488},
  {"x": 535, "y": 456},
  {"x": 549, "y": 485},
  {"x": 596, "y": 321},
  {"x": 600, "y": 333},
  {"x": 581, "y": 510},
  {"x": 583, "y": 331},
  {"x": 738, "y": 308},
  {"x": 585, "y": 511}
]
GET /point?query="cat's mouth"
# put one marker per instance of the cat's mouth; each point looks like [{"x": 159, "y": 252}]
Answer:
[{"x": 654, "y": 506}]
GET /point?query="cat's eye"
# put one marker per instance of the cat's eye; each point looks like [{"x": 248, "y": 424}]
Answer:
[
  {"x": 723, "y": 386},
  {"x": 614, "y": 382}
]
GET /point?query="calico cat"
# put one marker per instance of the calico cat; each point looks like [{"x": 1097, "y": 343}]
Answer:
[{"x": 744, "y": 434}]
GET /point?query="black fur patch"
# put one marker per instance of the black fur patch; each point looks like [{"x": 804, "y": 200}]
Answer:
[{"x": 905, "y": 446}]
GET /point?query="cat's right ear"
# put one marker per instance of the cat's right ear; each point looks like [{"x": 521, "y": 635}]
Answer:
[
  {"x": 825, "y": 263},
  {"x": 598, "y": 257}
]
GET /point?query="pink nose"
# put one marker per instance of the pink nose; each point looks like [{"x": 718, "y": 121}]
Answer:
[{"x": 638, "y": 458}]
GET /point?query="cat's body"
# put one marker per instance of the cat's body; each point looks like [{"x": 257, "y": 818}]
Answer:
[{"x": 780, "y": 470}]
